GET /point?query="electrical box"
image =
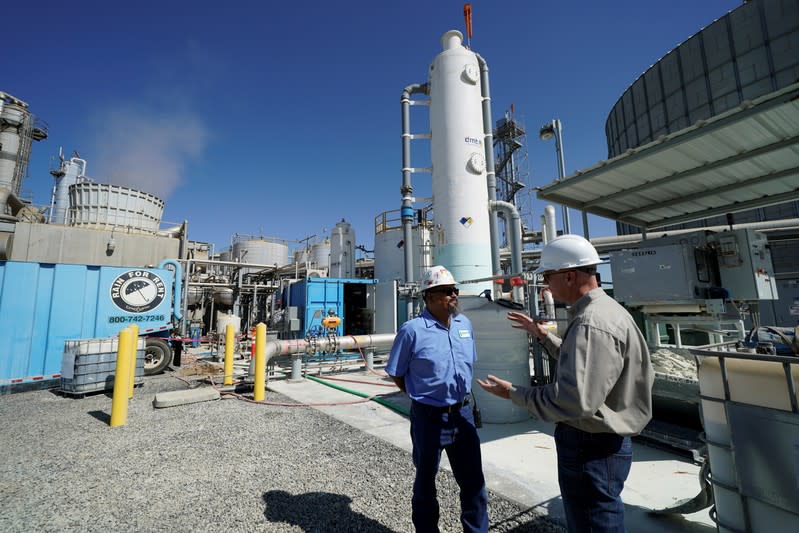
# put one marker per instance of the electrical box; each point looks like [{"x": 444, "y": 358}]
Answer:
[
  {"x": 745, "y": 266},
  {"x": 680, "y": 272}
]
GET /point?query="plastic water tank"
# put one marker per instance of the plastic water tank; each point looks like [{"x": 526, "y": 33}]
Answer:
[
  {"x": 502, "y": 351},
  {"x": 223, "y": 319}
]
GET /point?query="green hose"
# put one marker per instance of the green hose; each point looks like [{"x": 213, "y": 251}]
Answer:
[{"x": 391, "y": 405}]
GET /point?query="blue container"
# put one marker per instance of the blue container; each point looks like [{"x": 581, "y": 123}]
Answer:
[
  {"x": 194, "y": 331},
  {"x": 315, "y": 296},
  {"x": 43, "y": 305}
]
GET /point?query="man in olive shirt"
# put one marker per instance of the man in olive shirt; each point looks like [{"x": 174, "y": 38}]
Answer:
[{"x": 602, "y": 389}]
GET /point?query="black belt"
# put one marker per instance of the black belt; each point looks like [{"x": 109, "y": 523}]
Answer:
[{"x": 454, "y": 408}]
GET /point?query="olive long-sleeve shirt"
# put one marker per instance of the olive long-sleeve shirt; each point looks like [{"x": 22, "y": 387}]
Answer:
[{"x": 604, "y": 377}]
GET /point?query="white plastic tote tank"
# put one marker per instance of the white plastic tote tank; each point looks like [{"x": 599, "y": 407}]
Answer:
[
  {"x": 460, "y": 196},
  {"x": 501, "y": 351}
]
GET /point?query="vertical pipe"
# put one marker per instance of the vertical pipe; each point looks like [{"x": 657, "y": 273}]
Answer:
[
  {"x": 134, "y": 345},
  {"x": 259, "y": 391},
  {"x": 230, "y": 339},
  {"x": 561, "y": 171},
  {"x": 585, "y": 225},
  {"x": 406, "y": 190},
  {"x": 370, "y": 359},
  {"x": 491, "y": 177},
  {"x": 296, "y": 367},
  {"x": 552, "y": 228},
  {"x": 119, "y": 401}
]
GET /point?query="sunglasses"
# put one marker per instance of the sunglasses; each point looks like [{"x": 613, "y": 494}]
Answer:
[
  {"x": 449, "y": 291},
  {"x": 547, "y": 275}
]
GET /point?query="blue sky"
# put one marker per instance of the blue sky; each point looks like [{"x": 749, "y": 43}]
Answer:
[{"x": 280, "y": 119}]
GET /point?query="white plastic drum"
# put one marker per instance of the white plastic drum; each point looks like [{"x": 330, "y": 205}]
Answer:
[{"x": 502, "y": 351}]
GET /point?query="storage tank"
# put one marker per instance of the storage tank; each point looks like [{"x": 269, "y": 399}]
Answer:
[
  {"x": 260, "y": 251},
  {"x": 460, "y": 196},
  {"x": 223, "y": 319},
  {"x": 70, "y": 172},
  {"x": 223, "y": 297},
  {"x": 106, "y": 206},
  {"x": 389, "y": 246},
  {"x": 299, "y": 256},
  {"x": 342, "y": 251},
  {"x": 502, "y": 351},
  {"x": 319, "y": 254},
  {"x": 13, "y": 116}
]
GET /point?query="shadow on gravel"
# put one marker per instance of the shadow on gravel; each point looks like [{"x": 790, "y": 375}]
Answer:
[
  {"x": 318, "y": 511},
  {"x": 102, "y": 416}
]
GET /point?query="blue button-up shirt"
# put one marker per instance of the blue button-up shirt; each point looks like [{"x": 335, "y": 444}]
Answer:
[{"x": 436, "y": 362}]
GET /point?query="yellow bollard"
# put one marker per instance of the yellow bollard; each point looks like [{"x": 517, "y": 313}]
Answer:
[
  {"x": 230, "y": 340},
  {"x": 260, "y": 362},
  {"x": 119, "y": 402},
  {"x": 134, "y": 352}
]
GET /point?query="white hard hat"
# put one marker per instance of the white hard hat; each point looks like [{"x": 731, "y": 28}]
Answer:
[
  {"x": 436, "y": 276},
  {"x": 567, "y": 251}
]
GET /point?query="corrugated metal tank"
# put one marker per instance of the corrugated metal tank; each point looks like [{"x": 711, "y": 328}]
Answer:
[
  {"x": 319, "y": 255},
  {"x": 106, "y": 206},
  {"x": 342, "y": 251},
  {"x": 457, "y": 150},
  {"x": 260, "y": 251}
]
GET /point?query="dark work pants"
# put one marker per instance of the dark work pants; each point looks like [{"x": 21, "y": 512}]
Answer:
[
  {"x": 432, "y": 431},
  {"x": 592, "y": 469}
]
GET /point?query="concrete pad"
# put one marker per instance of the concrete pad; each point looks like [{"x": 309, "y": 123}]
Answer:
[
  {"x": 182, "y": 397},
  {"x": 519, "y": 459}
]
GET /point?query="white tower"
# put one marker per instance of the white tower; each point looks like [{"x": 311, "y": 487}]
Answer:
[{"x": 460, "y": 197}]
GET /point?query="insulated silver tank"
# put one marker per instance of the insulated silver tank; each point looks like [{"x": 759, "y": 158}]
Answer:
[
  {"x": 260, "y": 251},
  {"x": 106, "y": 206},
  {"x": 13, "y": 143}
]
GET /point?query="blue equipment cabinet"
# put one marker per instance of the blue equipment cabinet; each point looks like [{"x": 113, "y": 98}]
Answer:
[{"x": 350, "y": 299}]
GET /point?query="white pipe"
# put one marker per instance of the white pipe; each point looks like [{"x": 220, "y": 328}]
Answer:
[
  {"x": 549, "y": 303},
  {"x": 551, "y": 223}
]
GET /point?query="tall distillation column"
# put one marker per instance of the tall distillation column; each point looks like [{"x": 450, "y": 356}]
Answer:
[{"x": 460, "y": 198}]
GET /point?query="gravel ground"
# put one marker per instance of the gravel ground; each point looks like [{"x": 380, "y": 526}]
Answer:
[{"x": 228, "y": 465}]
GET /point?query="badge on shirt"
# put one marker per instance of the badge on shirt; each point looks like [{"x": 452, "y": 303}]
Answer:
[{"x": 464, "y": 334}]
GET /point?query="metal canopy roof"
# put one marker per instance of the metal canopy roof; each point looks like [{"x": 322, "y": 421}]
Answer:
[{"x": 744, "y": 158}]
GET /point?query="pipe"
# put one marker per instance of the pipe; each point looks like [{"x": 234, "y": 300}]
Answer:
[
  {"x": 7, "y": 197},
  {"x": 551, "y": 229},
  {"x": 406, "y": 209},
  {"x": 177, "y": 311},
  {"x": 608, "y": 243},
  {"x": 326, "y": 344},
  {"x": 513, "y": 220},
  {"x": 491, "y": 177}
]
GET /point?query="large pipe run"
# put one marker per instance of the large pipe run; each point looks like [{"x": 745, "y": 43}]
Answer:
[{"x": 324, "y": 345}]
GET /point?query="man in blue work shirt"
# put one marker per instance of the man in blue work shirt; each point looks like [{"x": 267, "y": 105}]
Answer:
[{"x": 432, "y": 360}]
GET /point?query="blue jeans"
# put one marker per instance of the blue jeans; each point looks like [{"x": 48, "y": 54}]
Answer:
[
  {"x": 592, "y": 468},
  {"x": 432, "y": 431}
]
